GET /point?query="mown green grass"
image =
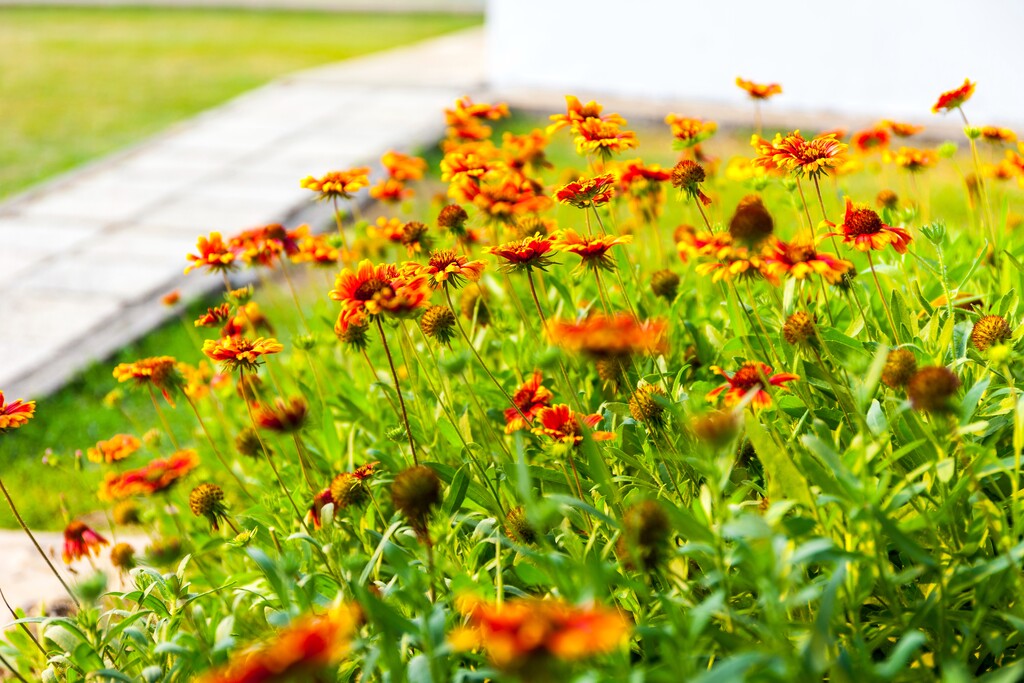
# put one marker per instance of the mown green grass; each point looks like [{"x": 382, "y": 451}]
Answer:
[{"x": 79, "y": 83}]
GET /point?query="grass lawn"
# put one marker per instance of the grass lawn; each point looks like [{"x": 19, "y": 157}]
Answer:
[{"x": 79, "y": 83}]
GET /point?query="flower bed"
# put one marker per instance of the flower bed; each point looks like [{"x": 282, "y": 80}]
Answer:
[{"x": 541, "y": 432}]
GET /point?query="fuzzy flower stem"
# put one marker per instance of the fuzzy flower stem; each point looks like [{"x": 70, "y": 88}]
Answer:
[
  {"x": 21, "y": 522},
  {"x": 469, "y": 343},
  {"x": 216, "y": 450},
  {"x": 398, "y": 390}
]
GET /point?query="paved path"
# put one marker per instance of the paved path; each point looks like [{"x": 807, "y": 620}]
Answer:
[
  {"x": 85, "y": 258},
  {"x": 403, "y": 6}
]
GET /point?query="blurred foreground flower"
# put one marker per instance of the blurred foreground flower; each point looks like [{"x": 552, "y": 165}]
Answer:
[
  {"x": 16, "y": 413},
  {"x": 81, "y": 541}
]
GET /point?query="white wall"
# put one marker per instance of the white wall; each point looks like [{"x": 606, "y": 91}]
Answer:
[{"x": 876, "y": 57}]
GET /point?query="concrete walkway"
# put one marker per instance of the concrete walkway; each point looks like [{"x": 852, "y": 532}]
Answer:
[{"x": 85, "y": 258}]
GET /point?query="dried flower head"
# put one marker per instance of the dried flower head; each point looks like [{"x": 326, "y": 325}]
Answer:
[
  {"x": 989, "y": 330},
  {"x": 646, "y": 405},
  {"x": 799, "y": 328},
  {"x": 751, "y": 224},
  {"x": 415, "y": 492},
  {"x": 207, "y": 500},
  {"x": 932, "y": 389},
  {"x": 900, "y": 366},
  {"x": 687, "y": 176},
  {"x": 645, "y": 532},
  {"x": 438, "y": 322},
  {"x": 517, "y": 526},
  {"x": 453, "y": 218},
  {"x": 665, "y": 283}
]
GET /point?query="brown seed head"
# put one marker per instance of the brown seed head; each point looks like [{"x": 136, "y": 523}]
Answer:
[
  {"x": 990, "y": 330},
  {"x": 646, "y": 529},
  {"x": 665, "y": 283},
  {"x": 644, "y": 405},
  {"x": 438, "y": 322},
  {"x": 517, "y": 526},
  {"x": 932, "y": 389},
  {"x": 348, "y": 489},
  {"x": 716, "y": 428},
  {"x": 415, "y": 492},
  {"x": 900, "y": 366},
  {"x": 751, "y": 224},
  {"x": 687, "y": 175},
  {"x": 798, "y": 328},
  {"x": 122, "y": 556}
]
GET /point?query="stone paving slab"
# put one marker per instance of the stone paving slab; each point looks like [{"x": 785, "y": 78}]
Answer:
[{"x": 85, "y": 258}]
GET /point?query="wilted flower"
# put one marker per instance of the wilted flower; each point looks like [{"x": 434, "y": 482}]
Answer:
[
  {"x": 645, "y": 532},
  {"x": 207, "y": 500},
  {"x": 453, "y": 218},
  {"x": 81, "y": 541},
  {"x": 415, "y": 492},
  {"x": 900, "y": 366},
  {"x": 752, "y": 375},
  {"x": 989, "y": 330},
  {"x": 665, "y": 283}
]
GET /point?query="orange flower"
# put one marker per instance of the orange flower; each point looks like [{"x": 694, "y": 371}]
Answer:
[
  {"x": 800, "y": 259},
  {"x": 302, "y": 651},
  {"x": 867, "y": 141},
  {"x": 954, "y": 99},
  {"x": 171, "y": 298},
  {"x": 586, "y": 192},
  {"x": 902, "y": 130},
  {"x": 403, "y": 167},
  {"x": 913, "y": 160},
  {"x": 594, "y": 136},
  {"x": 751, "y": 376},
  {"x": 374, "y": 290},
  {"x": 530, "y": 398},
  {"x": 689, "y": 131},
  {"x": 239, "y": 353},
  {"x": 593, "y": 251},
  {"x": 264, "y": 245},
  {"x": 464, "y": 121},
  {"x": 316, "y": 249},
  {"x": 160, "y": 371},
  {"x": 563, "y": 424},
  {"x": 81, "y": 541},
  {"x": 759, "y": 91},
  {"x": 16, "y": 413},
  {"x": 524, "y": 254},
  {"x": 445, "y": 266},
  {"x": 864, "y": 230},
  {"x": 634, "y": 172},
  {"x": 390, "y": 191},
  {"x": 577, "y": 113},
  {"x": 338, "y": 184},
  {"x": 115, "y": 448},
  {"x": 320, "y": 501},
  {"x": 997, "y": 136},
  {"x": 523, "y": 633},
  {"x": 522, "y": 152},
  {"x": 281, "y": 416},
  {"x": 798, "y": 155},
  {"x": 502, "y": 200},
  {"x": 214, "y": 254},
  {"x": 691, "y": 244},
  {"x": 615, "y": 336},
  {"x": 730, "y": 262},
  {"x": 389, "y": 229},
  {"x": 214, "y": 316},
  {"x": 158, "y": 475}
]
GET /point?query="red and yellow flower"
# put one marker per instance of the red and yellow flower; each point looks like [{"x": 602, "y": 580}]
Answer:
[
  {"x": 403, "y": 167},
  {"x": 81, "y": 541},
  {"x": 751, "y": 376},
  {"x": 593, "y": 251},
  {"x": 16, "y": 413},
  {"x": 239, "y": 352},
  {"x": 863, "y": 229},
  {"x": 530, "y": 398},
  {"x": 800, "y": 259},
  {"x": 524, "y": 254},
  {"x": 117, "y": 447},
  {"x": 445, "y": 266},
  {"x": 997, "y": 136},
  {"x": 564, "y": 425},
  {"x": 616, "y": 336},
  {"x": 587, "y": 192},
  {"x": 689, "y": 131},
  {"x": 302, "y": 651},
  {"x": 372, "y": 290},
  {"x": 214, "y": 254},
  {"x": 798, "y": 155},
  {"x": 954, "y": 99},
  {"x": 338, "y": 184},
  {"x": 911, "y": 159},
  {"x": 525, "y": 632},
  {"x": 902, "y": 130},
  {"x": 870, "y": 140},
  {"x": 759, "y": 91},
  {"x": 159, "y": 475},
  {"x": 160, "y": 372}
]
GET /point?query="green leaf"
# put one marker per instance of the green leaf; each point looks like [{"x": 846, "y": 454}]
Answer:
[{"x": 784, "y": 479}]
